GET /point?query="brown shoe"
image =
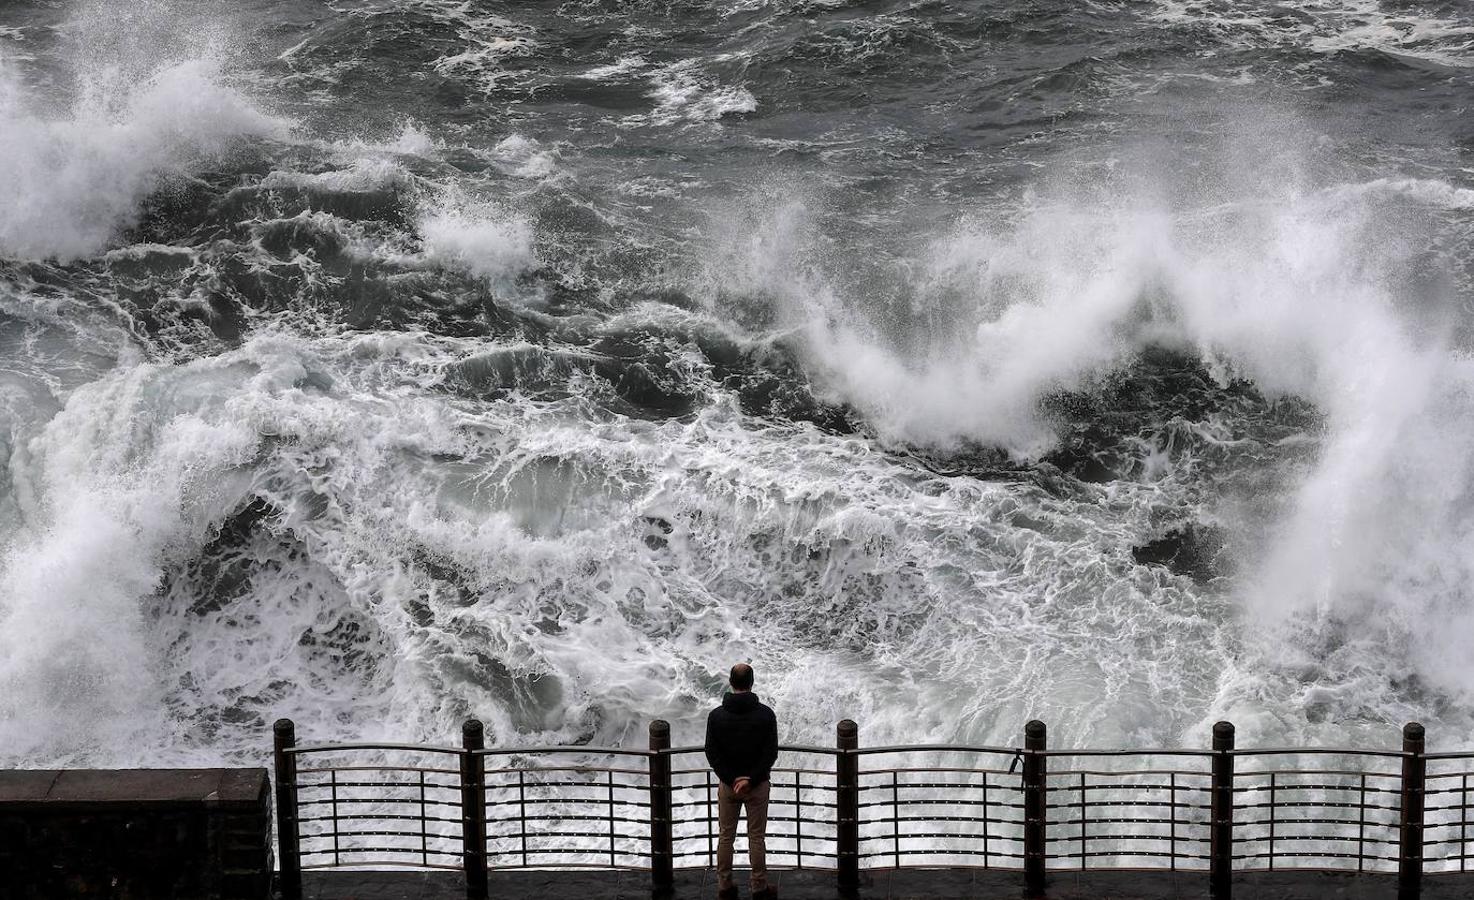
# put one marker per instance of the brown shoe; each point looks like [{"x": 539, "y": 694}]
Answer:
[{"x": 728, "y": 893}]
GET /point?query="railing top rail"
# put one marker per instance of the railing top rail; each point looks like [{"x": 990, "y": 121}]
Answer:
[
  {"x": 1451, "y": 754},
  {"x": 937, "y": 748},
  {"x": 370, "y": 745},
  {"x": 782, "y": 748},
  {"x": 884, "y": 749},
  {"x": 564, "y": 748},
  {"x": 1315, "y": 751}
]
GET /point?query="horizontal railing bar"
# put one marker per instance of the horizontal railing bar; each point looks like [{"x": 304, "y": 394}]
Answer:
[
  {"x": 1309, "y": 854},
  {"x": 824, "y": 773},
  {"x": 1116, "y": 820},
  {"x": 1164, "y": 803},
  {"x": 370, "y": 834},
  {"x": 935, "y": 748},
  {"x": 376, "y": 802},
  {"x": 782, "y": 748},
  {"x": 1349, "y": 773},
  {"x": 363, "y": 745},
  {"x": 1311, "y": 804},
  {"x": 1006, "y": 788},
  {"x": 601, "y": 785},
  {"x": 417, "y": 770},
  {"x": 563, "y": 748},
  {"x": 396, "y": 863},
  {"x": 1098, "y": 853},
  {"x": 888, "y": 820},
  {"x": 961, "y": 770},
  {"x": 1131, "y": 773},
  {"x": 378, "y": 817},
  {"x": 588, "y": 851},
  {"x": 573, "y": 865},
  {"x": 592, "y": 770}
]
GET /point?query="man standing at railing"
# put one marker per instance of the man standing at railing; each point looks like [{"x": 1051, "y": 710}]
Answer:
[{"x": 742, "y": 745}]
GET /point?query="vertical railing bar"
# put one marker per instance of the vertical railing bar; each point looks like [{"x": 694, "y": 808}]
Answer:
[
  {"x": 287, "y": 834},
  {"x": 522, "y": 811},
  {"x": 1410, "y": 825},
  {"x": 711, "y": 844},
  {"x": 847, "y": 807},
  {"x": 611, "y": 819},
  {"x": 662, "y": 814},
  {"x": 798, "y": 818},
  {"x": 985, "y": 820},
  {"x": 333, "y": 782},
  {"x": 473, "y": 808},
  {"x": 1361, "y": 831},
  {"x": 896, "y": 814},
  {"x": 1464, "y": 827},
  {"x": 1172, "y": 804},
  {"x": 424, "y": 825},
  {"x": 1036, "y": 810},
  {"x": 1271, "y": 820},
  {"x": 1220, "y": 835},
  {"x": 1083, "y": 857}
]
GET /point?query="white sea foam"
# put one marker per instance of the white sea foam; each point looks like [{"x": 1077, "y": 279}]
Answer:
[
  {"x": 1330, "y": 26},
  {"x": 1303, "y": 291},
  {"x": 74, "y": 178},
  {"x": 525, "y": 157},
  {"x": 482, "y": 239},
  {"x": 362, "y": 175},
  {"x": 684, "y": 93},
  {"x": 626, "y": 65}
]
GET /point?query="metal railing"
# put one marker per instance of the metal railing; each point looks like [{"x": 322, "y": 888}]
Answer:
[{"x": 846, "y": 809}]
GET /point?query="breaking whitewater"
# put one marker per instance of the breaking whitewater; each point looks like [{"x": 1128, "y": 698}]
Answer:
[{"x": 382, "y": 363}]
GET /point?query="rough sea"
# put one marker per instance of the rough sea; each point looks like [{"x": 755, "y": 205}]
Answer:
[{"x": 379, "y": 363}]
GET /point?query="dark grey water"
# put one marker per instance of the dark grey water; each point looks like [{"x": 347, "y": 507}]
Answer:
[{"x": 380, "y": 363}]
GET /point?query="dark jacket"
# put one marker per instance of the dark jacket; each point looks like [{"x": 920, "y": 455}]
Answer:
[{"x": 742, "y": 739}]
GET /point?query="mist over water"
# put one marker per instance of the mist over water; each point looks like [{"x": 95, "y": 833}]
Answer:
[{"x": 381, "y": 363}]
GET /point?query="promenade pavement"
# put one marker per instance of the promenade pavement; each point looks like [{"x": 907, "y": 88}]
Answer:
[{"x": 906, "y": 884}]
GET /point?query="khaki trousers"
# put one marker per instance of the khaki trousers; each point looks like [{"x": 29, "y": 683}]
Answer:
[{"x": 729, "y": 807}]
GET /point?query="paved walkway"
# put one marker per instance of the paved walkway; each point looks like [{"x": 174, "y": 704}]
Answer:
[{"x": 906, "y": 884}]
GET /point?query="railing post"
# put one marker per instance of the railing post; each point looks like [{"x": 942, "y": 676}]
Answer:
[
  {"x": 847, "y": 801},
  {"x": 1220, "y": 829},
  {"x": 473, "y": 809},
  {"x": 662, "y": 839},
  {"x": 1036, "y": 812},
  {"x": 1410, "y": 835},
  {"x": 285, "y": 767}
]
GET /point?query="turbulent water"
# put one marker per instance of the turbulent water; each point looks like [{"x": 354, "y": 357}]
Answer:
[{"x": 378, "y": 363}]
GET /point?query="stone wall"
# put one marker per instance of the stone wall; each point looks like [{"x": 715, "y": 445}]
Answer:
[{"x": 135, "y": 834}]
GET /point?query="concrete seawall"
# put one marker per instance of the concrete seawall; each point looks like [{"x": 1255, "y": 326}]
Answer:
[{"x": 159, "y": 834}]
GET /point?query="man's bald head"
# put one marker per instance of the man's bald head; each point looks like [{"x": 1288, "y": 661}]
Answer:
[{"x": 741, "y": 677}]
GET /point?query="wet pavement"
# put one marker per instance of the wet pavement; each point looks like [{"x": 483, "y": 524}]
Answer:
[{"x": 904, "y": 884}]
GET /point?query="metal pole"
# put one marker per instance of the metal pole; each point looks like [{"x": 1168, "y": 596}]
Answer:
[
  {"x": 1220, "y": 831},
  {"x": 847, "y": 798},
  {"x": 1036, "y": 772},
  {"x": 1410, "y": 835},
  {"x": 285, "y": 738},
  {"x": 473, "y": 809},
  {"x": 662, "y": 849}
]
